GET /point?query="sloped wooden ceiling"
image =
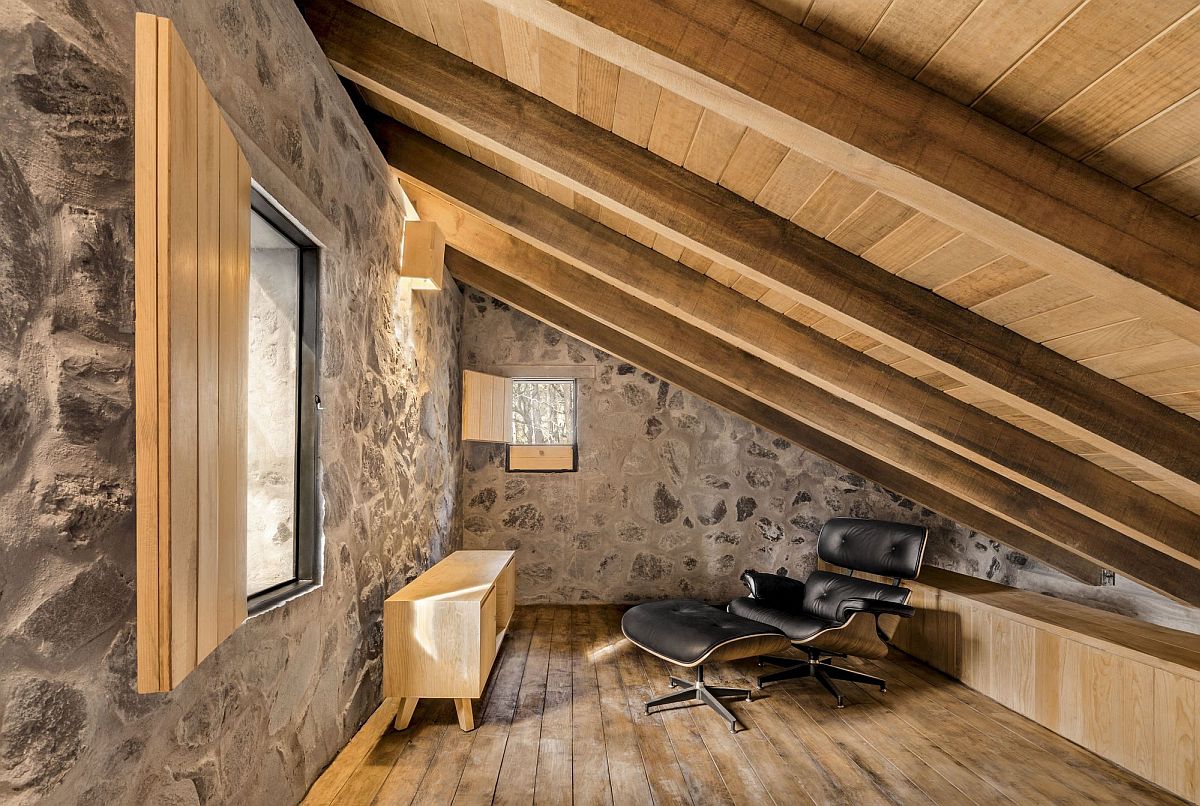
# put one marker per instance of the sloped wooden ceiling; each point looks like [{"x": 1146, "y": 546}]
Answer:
[{"x": 1047, "y": 312}]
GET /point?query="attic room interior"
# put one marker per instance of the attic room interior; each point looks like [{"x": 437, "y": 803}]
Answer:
[{"x": 599, "y": 402}]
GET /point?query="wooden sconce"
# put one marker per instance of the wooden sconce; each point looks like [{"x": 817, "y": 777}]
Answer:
[{"x": 422, "y": 260}]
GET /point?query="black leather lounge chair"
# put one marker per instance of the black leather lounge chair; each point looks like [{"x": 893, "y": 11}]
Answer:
[{"x": 836, "y": 615}]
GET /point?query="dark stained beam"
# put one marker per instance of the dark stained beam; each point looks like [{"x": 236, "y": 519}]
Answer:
[
  {"x": 719, "y": 224},
  {"x": 441, "y": 182},
  {"x": 538, "y": 305}
]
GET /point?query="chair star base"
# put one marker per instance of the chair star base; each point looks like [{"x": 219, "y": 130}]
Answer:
[
  {"x": 822, "y": 669},
  {"x": 701, "y": 692}
]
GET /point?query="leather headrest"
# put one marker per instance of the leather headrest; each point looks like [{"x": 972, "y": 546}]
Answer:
[{"x": 874, "y": 547}]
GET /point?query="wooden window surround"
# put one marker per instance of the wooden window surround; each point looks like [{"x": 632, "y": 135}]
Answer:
[
  {"x": 192, "y": 229},
  {"x": 487, "y": 417}
]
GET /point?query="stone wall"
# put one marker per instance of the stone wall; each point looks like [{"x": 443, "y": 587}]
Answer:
[
  {"x": 675, "y": 496},
  {"x": 259, "y": 718}
]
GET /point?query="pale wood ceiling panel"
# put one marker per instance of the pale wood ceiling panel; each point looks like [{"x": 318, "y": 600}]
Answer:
[
  {"x": 519, "y": 41},
  {"x": 1179, "y": 188},
  {"x": 1097, "y": 37},
  {"x": 871, "y": 222},
  {"x": 1187, "y": 402},
  {"x": 1128, "y": 334},
  {"x": 597, "y": 90},
  {"x": 482, "y": 24},
  {"x": 1154, "y": 148},
  {"x": 675, "y": 122},
  {"x": 996, "y": 35},
  {"x": 776, "y": 301},
  {"x": 748, "y": 288},
  {"x": 1076, "y": 317},
  {"x": 665, "y": 246},
  {"x": 1165, "y": 382},
  {"x": 753, "y": 162},
  {"x": 1046, "y": 294},
  {"x": 1174, "y": 354},
  {"x": 558, "y": 71},
  {"x": 847, "y": 22},
  {"x": 716, "y": 139},
  {"x": 909, "y": 242},
  {"x": 908, "y": 34},
  {"x": 949, "y": 262},
  {"x": 989, "y": 280},
  {"x": 836, "y": 198},
  {"x": 411, "y": 15},
  {"x": 1163, "y": 72},
  {"x": 793, "y": 181},
  {"x": 448, "y": 29},
  {"x": 635, "y": 104}
]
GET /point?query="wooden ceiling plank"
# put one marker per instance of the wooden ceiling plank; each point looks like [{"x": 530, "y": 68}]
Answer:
[
  {"x": 448, "y": 29},
  {"x": 675, "y": 122},
  {"x": 481, "y": 21},
  {"x": 616, "y": 343},
  {"x": 1130, "y": 93},
  {"x": 1179, "y": 188},
  {"x": 597, "y": 89},
  {"x": 1088, "y": 44},
  {"x": 908, "y": 141},
  {"x": 716, "y": 139},
  {"x": 831, "y": 203},
  {"x": 482, "y": 212},
  {"x": 870, "y": 223},
  {"x": 754, "y": 161},
  {"x": 519, "y": 41},
  {"x": 913, "y": 240},
  {"x": 708, "y": 220},
  {"x": 1154, "y": 148},
  {"x": 1174, "y": 354},
  {"x": 835, "y": 418},
  {"x": 989, "y": 280},
  {"x": 1045, "y": 294},
  {"x": 988, "y": 43},
  {"x": 1086, "y": 314},
  {"x": 633, "y": 113},
  {"x": 1127, "y": 334},
  {"x": 950, "y": 262},
  {"x": 792, "y": 183},
  {"x": 847, "y": 22},
  {"x": 908, "y": 36},
  {"x": 558, "y": 71}
]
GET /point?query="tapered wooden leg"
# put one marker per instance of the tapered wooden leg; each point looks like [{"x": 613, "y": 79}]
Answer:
[
  {"x": 466, "y": 717},
  {"x": 404, "y": 715}
]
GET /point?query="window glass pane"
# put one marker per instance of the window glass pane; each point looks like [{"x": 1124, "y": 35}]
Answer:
[
  {"x": 272, "y": 388},
  {"x": 543, "y": 412}
]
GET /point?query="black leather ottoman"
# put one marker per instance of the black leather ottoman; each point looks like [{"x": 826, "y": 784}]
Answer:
[{"x": 690, "y": 633}]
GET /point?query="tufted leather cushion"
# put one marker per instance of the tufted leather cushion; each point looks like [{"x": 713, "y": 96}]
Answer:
[
  {"x": 685, "y": 631},
  {"x": 824, "y": 592},
  {"x": 796, "y": 626},
  {"x": 875, "y": 547}
]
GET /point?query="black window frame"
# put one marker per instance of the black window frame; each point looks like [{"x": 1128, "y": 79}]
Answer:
[
  {"x": 306, "y": 548},
  {"x": 574, "y": 444}
]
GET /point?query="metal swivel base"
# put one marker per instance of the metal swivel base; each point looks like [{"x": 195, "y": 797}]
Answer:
[
  {"x": 709, "y": 695},
  {"x": 823, "y": 670}
]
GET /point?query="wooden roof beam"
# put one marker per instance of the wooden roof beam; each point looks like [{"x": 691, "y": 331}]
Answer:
[
  {"x": 441, "y": 182},
  {"x": 721, "y": 225},
  {"x": 540, "y": 306},
  {"x": 838, "y": 419}
]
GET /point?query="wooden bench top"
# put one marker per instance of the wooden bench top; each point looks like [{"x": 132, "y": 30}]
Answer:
[
  {"x": 1176, "y": 650},
  {"x": 464, "y": 576}
]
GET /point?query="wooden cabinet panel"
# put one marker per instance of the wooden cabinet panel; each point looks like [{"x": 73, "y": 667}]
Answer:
[
  {"x": 192, "y": 213},
  {"x": 485, "y": 407},
  {"x": 541, "y": 457}
]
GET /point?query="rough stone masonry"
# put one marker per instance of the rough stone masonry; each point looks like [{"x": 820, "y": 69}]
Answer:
[{"x": 259, "y": 719}]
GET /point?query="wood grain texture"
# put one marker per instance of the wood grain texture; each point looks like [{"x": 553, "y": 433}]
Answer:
[
  {"x": 786, "y": 259},
  {"x": 928, "y": 740},
  {"x": 450, "y": 189},
  {"x": 485, "y": 414},
  {"x": 192, "y": 239},
  {"x": 1120, "y": 687},
  {"x": 964, "y": 168}
]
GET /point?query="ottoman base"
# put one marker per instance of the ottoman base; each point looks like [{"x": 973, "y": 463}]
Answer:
[{"x": 699, "y": 691}]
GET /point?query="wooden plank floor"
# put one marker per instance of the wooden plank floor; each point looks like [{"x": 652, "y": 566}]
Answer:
[{"x": 562, "y": 722}]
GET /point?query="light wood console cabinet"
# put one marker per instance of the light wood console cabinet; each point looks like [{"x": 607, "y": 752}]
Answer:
[{"x": 442, "y": 631}]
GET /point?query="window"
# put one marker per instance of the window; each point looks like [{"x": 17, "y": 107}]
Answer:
[
  {"x": 542, "y": 425},
  {"x": 281, "y": 550}
]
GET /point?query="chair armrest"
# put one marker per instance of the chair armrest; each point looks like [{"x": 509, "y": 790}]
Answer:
[
  {"x": 878, "y": 607},
  {"x": 774, "y": 588}
]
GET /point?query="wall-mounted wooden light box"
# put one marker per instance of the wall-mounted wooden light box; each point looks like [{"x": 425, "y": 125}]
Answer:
[{"x": 423, "y": 256}]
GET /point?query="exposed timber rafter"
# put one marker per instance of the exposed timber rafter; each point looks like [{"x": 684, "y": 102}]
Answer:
[
  {"x": 540, "y": 306},
  {"x": 821, "y": 410},
  {"x": 720, "y": 225},
  {"x": 439, "y": 179}
]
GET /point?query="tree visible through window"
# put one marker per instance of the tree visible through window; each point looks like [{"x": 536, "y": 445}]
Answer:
[{"x": 543, "y": 412}]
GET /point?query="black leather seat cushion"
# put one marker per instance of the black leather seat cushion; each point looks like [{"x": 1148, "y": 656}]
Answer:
[
  {"x": 825, "y": 591},
  {"x": 795, "y": 625},
  {"x": 685, "y": 631}
]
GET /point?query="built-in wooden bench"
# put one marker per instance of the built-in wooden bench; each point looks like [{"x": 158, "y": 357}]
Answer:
[{"x": 1123, "y": 688}]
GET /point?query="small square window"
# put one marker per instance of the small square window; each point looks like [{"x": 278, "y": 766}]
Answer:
[{"x": 542, "y": 426}]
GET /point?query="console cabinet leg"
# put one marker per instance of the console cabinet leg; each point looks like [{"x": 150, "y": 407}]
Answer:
[
  {"x": 404, "y": 714},
  {"x": 466, "y": 717}
]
